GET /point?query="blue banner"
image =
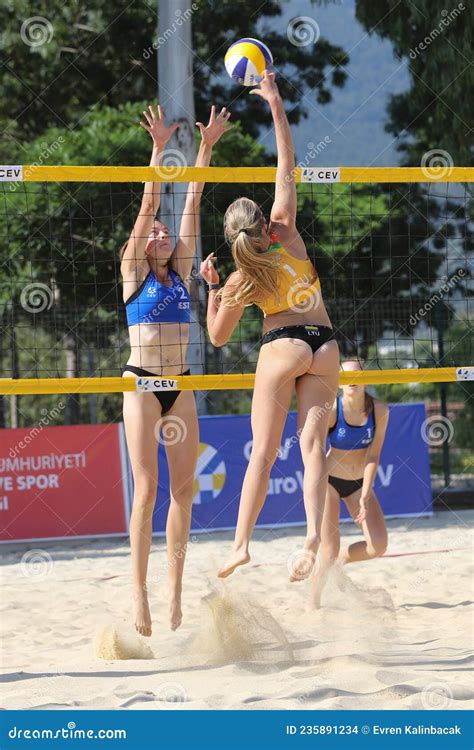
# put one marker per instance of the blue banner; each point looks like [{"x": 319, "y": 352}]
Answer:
[
  {"x": 402, "y": 485},
  {"x": 255, "y": 730}
]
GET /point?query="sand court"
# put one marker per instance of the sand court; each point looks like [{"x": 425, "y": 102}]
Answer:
[{"x": 392, "y": 633}]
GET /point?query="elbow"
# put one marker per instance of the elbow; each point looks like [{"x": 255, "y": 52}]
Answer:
[{"x": 217, "y": 341}]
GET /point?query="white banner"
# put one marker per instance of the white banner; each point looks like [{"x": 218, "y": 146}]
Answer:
[
  {"x": 320, "y": 174},
  {"x": 11, "y": 173},
  {"x": 465, "y": 373}
]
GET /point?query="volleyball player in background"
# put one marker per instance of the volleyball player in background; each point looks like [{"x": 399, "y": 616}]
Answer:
[
  {"x": 298, "y": 350},
  {"x": 156, "y": 272},
  {"x": 357, "y": 430}
]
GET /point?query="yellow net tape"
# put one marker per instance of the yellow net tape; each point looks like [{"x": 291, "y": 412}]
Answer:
[
  {"x": 30, "y": 386},
  {"x": 32, "y": 173}
]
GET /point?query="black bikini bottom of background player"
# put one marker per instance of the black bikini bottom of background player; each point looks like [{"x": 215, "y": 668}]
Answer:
[{"x": 345, "y": 487}]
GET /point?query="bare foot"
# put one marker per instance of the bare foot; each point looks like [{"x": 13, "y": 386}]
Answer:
[
  {"x": 176, "y": 615},
  {"x": 141, "y": 612},
  {"x": 301, "y": 564},
  {"x": 236, "y": 559}
]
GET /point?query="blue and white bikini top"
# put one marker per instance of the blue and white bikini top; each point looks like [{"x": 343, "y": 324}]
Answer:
[
  {"x": 154, "y": 302},
  {"x": 346, "y": 437}
]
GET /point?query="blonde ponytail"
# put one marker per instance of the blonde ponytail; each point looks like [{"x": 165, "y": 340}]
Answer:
[{"x": 258, "y": 267}]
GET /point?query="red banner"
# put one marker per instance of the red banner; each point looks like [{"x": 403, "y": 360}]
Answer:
[{"x": 61, "y": 482}]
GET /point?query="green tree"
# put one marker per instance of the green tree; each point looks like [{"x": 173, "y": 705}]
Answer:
[
  {"x": 436, "y": 112},
  {"x": 378, "y": 256},
  {"x": 71, "y": 232},
  {"x": 64, "y": 239},
  {"x": 83, "y": 55}
]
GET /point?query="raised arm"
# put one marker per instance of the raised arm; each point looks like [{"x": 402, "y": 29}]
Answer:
[
  {"x": 221, "y": 318},
  {"x": 183, "y": 255},
  {"x": 134, "y": 263},
  {"x": 284, "y": 206}
]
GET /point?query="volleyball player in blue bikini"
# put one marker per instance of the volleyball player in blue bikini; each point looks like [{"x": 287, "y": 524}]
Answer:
[
  {"x": 156, "y": 272},
  {"x": 357, "y": 428}
]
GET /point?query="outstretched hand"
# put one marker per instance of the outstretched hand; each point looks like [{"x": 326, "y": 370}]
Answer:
[
  {"x": 267, "y": 87},
  {"x": 217, "y": 126},
  {"x": 155, "y": 125}
]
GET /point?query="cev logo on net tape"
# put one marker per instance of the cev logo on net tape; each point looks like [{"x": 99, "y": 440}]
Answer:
[
  {"x": 465, "y": 373},
  {"x": 9, "y": 173},
  {"x": 317, "y": 174},
  {"x": 149, "y": 385}
]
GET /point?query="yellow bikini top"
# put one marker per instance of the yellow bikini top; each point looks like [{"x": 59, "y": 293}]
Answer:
[{"x": 298, "y": 283}]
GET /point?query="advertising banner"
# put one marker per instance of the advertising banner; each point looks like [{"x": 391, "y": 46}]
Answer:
[
  {"x": 58, "y": 482},
  {"x": 402, "y": 485}
]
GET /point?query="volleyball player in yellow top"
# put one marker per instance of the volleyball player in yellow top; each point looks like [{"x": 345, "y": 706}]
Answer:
[{"x": 298, "y": 348}]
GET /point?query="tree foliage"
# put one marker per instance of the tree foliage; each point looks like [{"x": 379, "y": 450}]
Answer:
[
  {"x": 101, "y": 54},
  {"x": 436, "y": 40}
]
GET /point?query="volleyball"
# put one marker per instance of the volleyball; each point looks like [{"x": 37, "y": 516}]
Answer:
[{"x": 246, "y": 60}]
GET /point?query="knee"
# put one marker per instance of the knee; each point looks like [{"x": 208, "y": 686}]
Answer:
[
  {"x": 182, "y": 494},
  {"x": 313, "y": 449},
  {"x": 378, "y": 547},
  {"x": 144, "y": 497},
  {"x": 262, "y": 459}
]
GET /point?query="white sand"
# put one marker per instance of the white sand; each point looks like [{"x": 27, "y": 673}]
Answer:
[{"x": 395, "y": 634}]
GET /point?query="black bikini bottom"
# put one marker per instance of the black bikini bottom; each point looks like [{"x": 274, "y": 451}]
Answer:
[
  {"x": 166, "y": 399},
  {"x": 315, "y": 336},
  {"x": 345, "y": 487}
]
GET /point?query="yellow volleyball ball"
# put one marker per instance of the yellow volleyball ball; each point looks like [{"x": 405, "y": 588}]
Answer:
[{"x": 246, "y": 60}]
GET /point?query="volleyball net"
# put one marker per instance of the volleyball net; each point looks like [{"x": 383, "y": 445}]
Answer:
[{"x": 392, "y": 246}]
